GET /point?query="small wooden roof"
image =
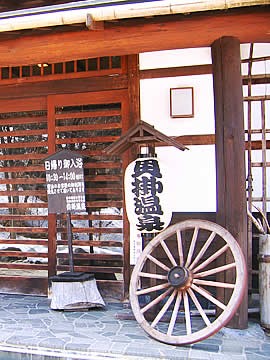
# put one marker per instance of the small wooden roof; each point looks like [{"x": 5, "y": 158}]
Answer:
[{"x": 142, "y": 134}]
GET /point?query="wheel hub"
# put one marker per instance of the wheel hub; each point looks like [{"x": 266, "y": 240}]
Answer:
[{"x": 178, "y": 276}]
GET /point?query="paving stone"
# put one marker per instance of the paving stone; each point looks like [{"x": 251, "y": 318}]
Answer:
[
  {"x": 256, "y": 357},
  {"x": 206, "y": 347},
  {"x": 29, "y": 321}
]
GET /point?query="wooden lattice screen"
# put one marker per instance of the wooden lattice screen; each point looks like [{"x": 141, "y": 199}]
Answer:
[{"x": 30, "y": 131}]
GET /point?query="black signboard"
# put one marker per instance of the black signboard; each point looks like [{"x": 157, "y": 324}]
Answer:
[{"x": 65, "y": 182}]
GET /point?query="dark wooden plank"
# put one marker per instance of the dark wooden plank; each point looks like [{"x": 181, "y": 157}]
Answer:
[
  {"x": 24, "y": 193},
  {"x": 25, "y": 156},
  {"x": 93, "y": 113},
  {"x": 23, "y": 266},
  {"x": 24, "y": 242},
  {"x": 87, "y": 127},
  {"x": 96, "y": 217},
  {"x": 96, "y": 243},
  {"x": 111, "y": 289},
  {"x": 92, "y": 230},
  {"x": 105, "y": 257},
  {"x": 87, "y": 140},
  {"x": 68, "y": 86},
  {"x": 103, "y": 178},
  {"x": 23, "y": 254},
  {"x": 23, "y": 205},
  {"x": 134, "y": 36},
  {"x": 230, "y": 153},
  {"x": 33, "y": 230},
  {"x": 104, "y": 190},
  {"x": 20, "y": 105},
  {"x": 24, "y": 217},
  {"x": 23, "y": 133},
  {"x": 24, "y": 285},
  {"x": 23, "y": 180},
  {"x": 24, "y": 144},
  {"x": 176, "y": 71},
  {"x": 23, "y": 120},
  {"x": 92, "y": 269},
  {"x": 101, "y": 165},
  {"x": 22, "y": 169},
  {"x": 102, "y": 204}
]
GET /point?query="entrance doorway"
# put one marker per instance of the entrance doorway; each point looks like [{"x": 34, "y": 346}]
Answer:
[{"x": 33, "y": 244}]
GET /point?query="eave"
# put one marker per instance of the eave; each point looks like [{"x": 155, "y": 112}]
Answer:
[{"x": 132, "y": 36}]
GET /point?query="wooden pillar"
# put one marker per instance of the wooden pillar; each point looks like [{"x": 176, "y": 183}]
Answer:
[
  {"x": 133, "y": 112},
  {"x": 230, "y": 152}
]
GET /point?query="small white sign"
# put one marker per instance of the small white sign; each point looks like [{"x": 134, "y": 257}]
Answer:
[{"x": 135, "y": 246}]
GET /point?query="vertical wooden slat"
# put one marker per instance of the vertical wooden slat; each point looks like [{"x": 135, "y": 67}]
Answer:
[
  {"x": 230, "y": 151},
  {"x": 249, "y": 250},
  {"x": 264, "y": 165},
  {"x": 51, "y": 217},
  {"x": 51, "y": 245}
]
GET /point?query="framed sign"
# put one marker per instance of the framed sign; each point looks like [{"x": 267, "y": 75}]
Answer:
[
  {"x": 65, "y": 182},
  {"x": 182, "y": 102}
]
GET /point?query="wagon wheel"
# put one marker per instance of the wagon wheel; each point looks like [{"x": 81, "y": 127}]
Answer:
[{"x": 179, "y": 274}]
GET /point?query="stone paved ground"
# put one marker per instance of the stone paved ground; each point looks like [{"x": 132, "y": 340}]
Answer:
[{"x": 30, "y": 330}]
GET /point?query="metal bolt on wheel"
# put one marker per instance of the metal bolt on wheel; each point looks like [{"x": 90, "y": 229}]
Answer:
[{"x": 180, "y": 273}]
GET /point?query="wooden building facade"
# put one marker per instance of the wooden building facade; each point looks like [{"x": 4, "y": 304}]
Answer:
[{"x": 76, "y": 86}]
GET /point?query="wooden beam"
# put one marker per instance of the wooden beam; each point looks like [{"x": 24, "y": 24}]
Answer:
[
  {"x": 230, "y": 154},
  {"x": 134, "y": 36},
  {"x": 44, "y": 88},
  {"x": 176, "y": 71}
]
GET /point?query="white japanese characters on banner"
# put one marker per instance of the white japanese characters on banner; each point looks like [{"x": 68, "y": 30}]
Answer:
[
  {"x": 65, "y": 182},
  {"x": 147, "y": 195}
]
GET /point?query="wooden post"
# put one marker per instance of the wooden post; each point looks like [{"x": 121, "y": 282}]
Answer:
[
  {"x": 133, "y": 114},
  {"x": 230, "y": 152},
  {"x": 70, "y": 249}
]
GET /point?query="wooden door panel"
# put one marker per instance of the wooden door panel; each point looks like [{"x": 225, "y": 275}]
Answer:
[
  {"x": 23, "y": 199},
  {"x": 87, "y": 123}
]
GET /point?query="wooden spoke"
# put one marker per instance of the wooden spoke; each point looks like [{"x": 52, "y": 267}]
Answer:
[
  {"x": 208, "y": 296},
  {"x": 215, "y": 270},
  {"x": 211, "y": 258},
  {"x": 156, "y": 300},
  {"x": 180, "y": 248},
  {"x": 213, "y": 283},
  {"x": 158, "y": 263},
  {"x": 203, "y": 250},
  {"x": 164, "y": 309},
  {"x": 153, "y": 276},
  {"x": 198, "y": 306},
  {"x": 192, "y": 247},
  {"x": 175, "y": 312},
  {"x": 151, "y": 289},
  {"x": 187, "y": 313},
  {"x": 168, "y": 253},
  {"x": 168, "y": 298}
]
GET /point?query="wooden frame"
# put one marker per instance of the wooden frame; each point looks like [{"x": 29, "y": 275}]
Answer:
[{"x": 182, "y": 102}]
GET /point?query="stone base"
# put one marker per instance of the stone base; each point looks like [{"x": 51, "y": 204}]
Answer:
[{"x": 69, "y": 293}]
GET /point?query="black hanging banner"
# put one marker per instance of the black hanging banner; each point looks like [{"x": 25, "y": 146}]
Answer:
[{"x": 65, "y": 182}]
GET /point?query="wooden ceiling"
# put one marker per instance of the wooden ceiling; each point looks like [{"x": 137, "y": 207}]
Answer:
[{"x": 9, "y": 5}]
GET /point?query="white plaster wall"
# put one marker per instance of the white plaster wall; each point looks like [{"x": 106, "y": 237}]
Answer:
[{"x": 192, "y": 172}]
